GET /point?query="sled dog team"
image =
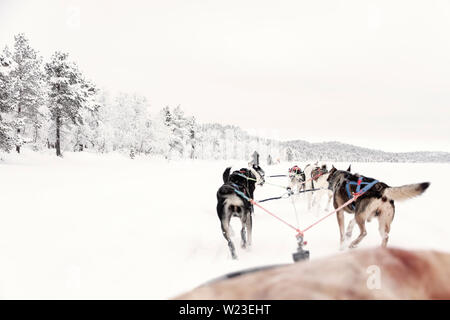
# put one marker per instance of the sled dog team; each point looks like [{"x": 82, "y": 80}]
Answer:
[{"x": 338, "y": 185}]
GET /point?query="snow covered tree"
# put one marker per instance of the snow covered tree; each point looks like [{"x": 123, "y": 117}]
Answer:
[
  {"x": 7, "y": 134},
  {"x": 5, "y": 81},
  {"x": 167, "y": 116},
  {"x": 161, "y": 133},
  {"x": 178, "y": 127},
  {"x": 69, "y": 94},
  {"x": 85, "y": 135},
  {"x": 179, "y": 131},
  {"x": 192, "y": 137},
  {"x": 124, "y": 124},
  {"x": 141, "y": 123},
  {"x": 104, "y": 133},
  {"x": 131, "y": 123},
  {"x": 289, "y": 154},
  {"x": 28, "y": 91}
]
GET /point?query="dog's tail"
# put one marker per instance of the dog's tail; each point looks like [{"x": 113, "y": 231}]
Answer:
[
  {"x": 406, "y": 192},
  {"x": 226, "y": 174}
]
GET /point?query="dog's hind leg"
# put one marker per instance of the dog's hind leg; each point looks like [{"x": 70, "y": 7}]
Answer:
[
  {"x": 360, "y": 220},
  {"x": 243, "y": 230},
  {"x": 341, "y": 221},
  {"x": 350, "y": 226},
  {"x": 249, "y": 225},
  {"x": 225, "y": 224},
  {"x": 384, "y": 233},
  {"x": 384, "y": 222}
]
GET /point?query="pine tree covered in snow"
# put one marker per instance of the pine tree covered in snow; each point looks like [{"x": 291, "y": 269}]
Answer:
[
  {"x": 180, "y": 130},
  {"x": 7, "y": 133},
  {"x": 103, "y": 134},
  {"x": 27, "y": 91},
  {"x": 70, "y": 95},
  {"x": 192, "y": 137},
  {"x": 6, "y": 65},
  {"x": 161, "y": 132},
  {"x": 86, "y": 134},
  {"x": 289, "y": 154},
  {"x": 179, "y": 126}
]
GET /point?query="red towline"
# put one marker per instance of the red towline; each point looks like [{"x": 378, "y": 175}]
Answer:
[{"x": 299, "y": 232}]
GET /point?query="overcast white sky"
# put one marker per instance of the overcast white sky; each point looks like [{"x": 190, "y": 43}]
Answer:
[{"x": 372, "y": 73}]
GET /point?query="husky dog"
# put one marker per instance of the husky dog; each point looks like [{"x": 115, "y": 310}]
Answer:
[
  {"x": 316, "y": 179},
  {"x": 296, "y": 179},
  {"x": 378, "y": 202},
  {"x": 230, "y": 204}
]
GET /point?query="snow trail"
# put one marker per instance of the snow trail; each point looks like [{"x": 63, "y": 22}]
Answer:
[{"x": 105, "y": 226}]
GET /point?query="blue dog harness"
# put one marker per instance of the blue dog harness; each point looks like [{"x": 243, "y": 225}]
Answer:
[
  {"x": 237, "y": 190},
  {"x": 359, "y": 191}
]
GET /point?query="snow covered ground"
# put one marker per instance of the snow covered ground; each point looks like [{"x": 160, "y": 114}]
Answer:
[{"x": 105, "y": 226}]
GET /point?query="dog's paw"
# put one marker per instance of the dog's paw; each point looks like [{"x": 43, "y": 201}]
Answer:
[{"x": 353, "y": 245}]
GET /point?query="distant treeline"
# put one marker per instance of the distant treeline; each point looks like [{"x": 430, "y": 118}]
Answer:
[{"x": 49, "y": 104}]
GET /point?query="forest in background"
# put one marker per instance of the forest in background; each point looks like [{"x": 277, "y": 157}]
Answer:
[{"x": 50, "y": 104}]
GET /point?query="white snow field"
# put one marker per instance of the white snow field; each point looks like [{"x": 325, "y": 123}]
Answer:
[{"x": 107, "y": 227}]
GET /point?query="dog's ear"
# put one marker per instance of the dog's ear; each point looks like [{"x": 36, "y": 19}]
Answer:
[
  {"x": 349, "y": 168},
  {"x": 331, "y": 172},
  {"x": 261, "y": 170},
  {"x": 226, "y": 174}
]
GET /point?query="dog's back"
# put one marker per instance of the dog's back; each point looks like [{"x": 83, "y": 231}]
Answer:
[
  {"x": 378, "y": 190},
  {"x": 403, "y": 274}
]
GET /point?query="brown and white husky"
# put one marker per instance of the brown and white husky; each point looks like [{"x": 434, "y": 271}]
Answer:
[{"x": 378, "y": 202}]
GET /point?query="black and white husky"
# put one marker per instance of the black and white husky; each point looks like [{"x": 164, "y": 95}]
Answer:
[{"x": 231, "y": 204}]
